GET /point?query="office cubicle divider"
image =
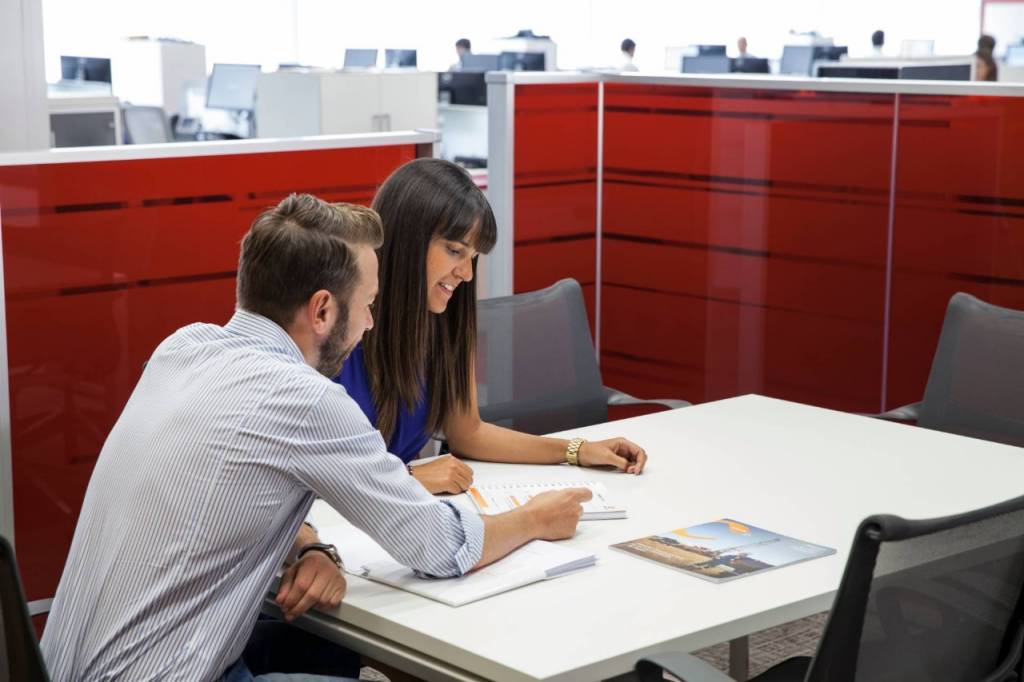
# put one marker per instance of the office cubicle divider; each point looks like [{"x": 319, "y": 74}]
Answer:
[
  {"x": 106, "y": 251},
  {"x": 790, "y": 237}
]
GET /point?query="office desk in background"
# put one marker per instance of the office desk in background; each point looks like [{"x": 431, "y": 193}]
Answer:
[{"x": 806, "y": 472}]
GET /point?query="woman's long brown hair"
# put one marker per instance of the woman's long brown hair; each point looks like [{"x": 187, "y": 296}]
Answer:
[{"x": 410, "y": 347}]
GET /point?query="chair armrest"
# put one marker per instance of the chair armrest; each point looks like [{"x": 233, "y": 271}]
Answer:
[
  {"x": 906, "y": 413},
  {"x": 616, "y": 397},
  {"x": 684, "y": 666}
]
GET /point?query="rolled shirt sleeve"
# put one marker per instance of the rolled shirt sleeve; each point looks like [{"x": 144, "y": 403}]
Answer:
[{"x": 343, "y": 459}]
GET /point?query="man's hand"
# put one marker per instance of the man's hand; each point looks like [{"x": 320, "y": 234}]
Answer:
[
  {"x": 446, "y": 474},
  {"x": 617, "y": 452},
  {"x": 313, "y": 580},
  {"x": 556, "y": 513}
]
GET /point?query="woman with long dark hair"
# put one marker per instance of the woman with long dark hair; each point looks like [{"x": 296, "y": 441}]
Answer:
[{"x": 413, "y": 374}]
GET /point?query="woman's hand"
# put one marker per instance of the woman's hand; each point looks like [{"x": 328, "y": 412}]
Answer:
[
  {"x": 446, "y": 474},
  {"x": 617, "y": 452}
]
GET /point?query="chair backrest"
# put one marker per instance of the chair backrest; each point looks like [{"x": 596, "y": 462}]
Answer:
[
  {"x": 20, "y": 658},
  {"x": 146, "y": 125},
  {"x": 536, "y": 370},
  {"x": 976, "y": 385},
  {"x": 937, "y": 600}
]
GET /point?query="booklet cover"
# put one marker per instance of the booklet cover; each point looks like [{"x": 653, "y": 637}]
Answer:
[{"x": 723, "y": 550}]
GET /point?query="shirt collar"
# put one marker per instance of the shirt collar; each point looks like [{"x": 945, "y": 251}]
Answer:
[{"x": 246, "y": 323}]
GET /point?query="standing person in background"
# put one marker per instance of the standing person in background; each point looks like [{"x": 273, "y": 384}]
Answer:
[
  {"x": 985, "y": 67},
  {"x": 741, "y": 46},
  {"x": 628, "y": 48},
  {"x": 987, "y": 43},
  {"x": 877, "y": 42},
  {"x": 462, "y": 48}
]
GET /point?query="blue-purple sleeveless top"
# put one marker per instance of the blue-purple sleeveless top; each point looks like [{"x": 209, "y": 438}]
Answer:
[{"x": 411, "y": 426}]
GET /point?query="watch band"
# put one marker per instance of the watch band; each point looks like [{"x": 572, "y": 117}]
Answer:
[{"x": 330, "y": 550}]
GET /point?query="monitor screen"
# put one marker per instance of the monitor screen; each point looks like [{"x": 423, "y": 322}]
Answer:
[
  {"x": 463, "y": 87},
  {"x": 797, "y": 60},
  {"x": 232, "y": 87},
  {"x": 937, "y": 72},
  {"x": 399, "y": 58},
  {"x": 750, "y": 65},
  {"x": 1015, "y": 55},
  {"x": 360, "y": 59},
  {"x": 480, "y": 62},
  {"x": 521, "y": 61},
  {"x": 707, "y": 64},
  {"x": 854, "y": 71},
  {"x": 96, "y": 69},
  {"x": 708, "y": 50}
]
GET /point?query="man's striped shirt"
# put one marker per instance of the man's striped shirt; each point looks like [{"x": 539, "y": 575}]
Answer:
[{"x": 199, "y": 492}]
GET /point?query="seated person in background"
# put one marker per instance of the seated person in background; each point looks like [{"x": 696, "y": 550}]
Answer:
[
  {"x": 877, "y": 43},
  {"x": 462, "y": 48},
  {"x": 985, "y": 67},
  {"x": 414, "y": 374},
  {"x": 628, "y": 48},
  {"x": 229, "y": 436}
]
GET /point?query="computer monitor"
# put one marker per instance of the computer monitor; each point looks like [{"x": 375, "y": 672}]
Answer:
[
  {"x": 146, "y": 125},
  {"x": 232, "y": 87},
  {"x": 707, "y": 64},
  {"x": 463, "y": 87},
  {"x": 480, "y": 62},
  {"x": 709, "y": 50},
  {"x": 797, "y": 60},
  {"x": 855, "y": 71},
  {"x": 937, "y": 72},
  {"x": 1015, "y": 55},
  {"x": 521, "y": 61},
  {"x": 95, "y": 69},
  {"x": 394, "y": 59},
  {"x": 360, "y": 59},
  {"x": 750, "y": 65}
]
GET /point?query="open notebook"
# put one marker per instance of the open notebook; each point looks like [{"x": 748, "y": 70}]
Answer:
[
  {"x": 495, "y": 498},
  {"x": 535, "y": 561}
]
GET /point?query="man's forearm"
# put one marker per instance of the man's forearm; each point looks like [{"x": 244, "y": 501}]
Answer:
[{"x": 506, "y": 532}]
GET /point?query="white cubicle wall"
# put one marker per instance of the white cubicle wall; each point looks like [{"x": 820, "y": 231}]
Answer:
[{"x": 295, "y": 103}]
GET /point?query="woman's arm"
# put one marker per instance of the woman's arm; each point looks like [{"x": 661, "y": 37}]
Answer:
[{"x": 471, "y": 437}]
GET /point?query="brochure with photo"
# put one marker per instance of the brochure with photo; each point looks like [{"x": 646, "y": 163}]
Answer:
[{"x": 723, "y": 550}]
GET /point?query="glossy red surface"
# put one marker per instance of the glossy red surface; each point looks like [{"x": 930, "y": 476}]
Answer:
[
  {"x": 101, "y": 262},
  {"x": 555, "y": 166},
  {"x": 744, "y": 243},
  {"x": 958, "y": 221}
]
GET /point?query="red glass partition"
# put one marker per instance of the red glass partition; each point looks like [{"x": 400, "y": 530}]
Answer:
[
  {"x": 102, "y": 260},
  {"x": 958, "y": 221},
  {"x": 555, "y": 167},
  {"x": 744, "y": 242}
]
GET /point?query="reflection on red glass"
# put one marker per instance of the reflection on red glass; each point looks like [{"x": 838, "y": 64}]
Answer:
[
  {"x": 744, "y": 243},
  {"x": 101, "y": 262},
  {"x": 958, "y": 221},
  {"x": 555, "y": 186}
]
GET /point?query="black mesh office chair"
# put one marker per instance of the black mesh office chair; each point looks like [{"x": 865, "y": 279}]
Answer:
[
  {"x": 20, "y": 658},
  {"x": 975, "y": 387},
  {"x": 536, "y": 370},
  {"x": 937, "y": 600},
  {"x": 146, "y": 125}
]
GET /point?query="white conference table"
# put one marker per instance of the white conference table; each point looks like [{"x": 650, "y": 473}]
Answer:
[{"x": 802, "y": 471}]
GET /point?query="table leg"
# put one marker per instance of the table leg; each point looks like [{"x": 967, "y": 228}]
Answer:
[{"x": 739, "y": 658}]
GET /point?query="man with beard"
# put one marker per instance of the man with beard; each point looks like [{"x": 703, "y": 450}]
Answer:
[{"x": 201, "y": 488}]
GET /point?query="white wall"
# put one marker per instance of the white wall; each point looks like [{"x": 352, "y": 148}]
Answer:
[{"x": 588, "y": 32}]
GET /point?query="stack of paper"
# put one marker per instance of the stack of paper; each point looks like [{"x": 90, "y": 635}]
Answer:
[
  {"x": 535, "y": 561},
  {"x": 496, "y": 498}
]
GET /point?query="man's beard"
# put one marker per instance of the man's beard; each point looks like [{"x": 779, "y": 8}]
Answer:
[{"x": 332, "y": 353}]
